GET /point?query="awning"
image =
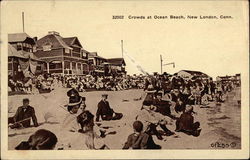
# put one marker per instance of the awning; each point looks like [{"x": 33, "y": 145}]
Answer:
[
  {"x": 29, "y": 55},
  {"x": 12, "y": 52}
]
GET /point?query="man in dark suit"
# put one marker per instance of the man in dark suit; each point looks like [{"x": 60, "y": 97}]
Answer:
[
  {"x": 105, "y": 111},
  {"x": 163, "y": 106},
  {"x": 23, "y": 116}
]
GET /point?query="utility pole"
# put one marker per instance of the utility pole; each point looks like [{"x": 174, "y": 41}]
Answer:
[
  {"x": 23, "y": 20},
  {"x": 172, "y": 63},
  {"x": 161, "y": 63},
  {"x": 122, "y": 47}
]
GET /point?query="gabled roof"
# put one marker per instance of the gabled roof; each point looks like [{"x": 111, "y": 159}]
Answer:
[
  {"x": 18, "y": 37},
  {"x": 85, "y": 51},
  {"x": 55, "y": 40},
  {"x": 194, "y": 72},
  {"x": 12, "y": 52},
  {"x": 70, "y": 41},
  {"x": 94, "y": 55},
  {"x": 116, "y": 61}
]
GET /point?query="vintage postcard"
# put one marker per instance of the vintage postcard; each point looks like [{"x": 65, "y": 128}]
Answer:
[{"x": 124, "y": 79}]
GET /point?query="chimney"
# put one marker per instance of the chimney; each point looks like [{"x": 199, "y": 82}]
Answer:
[
  {"x": 35, "y": 39},
  {"x": 53, "y": 33}
]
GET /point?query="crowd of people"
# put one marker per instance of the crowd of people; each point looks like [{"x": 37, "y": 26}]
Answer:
[
  {"x": 166, "y": 98},
  {"x": 110, "y": 83},
  {"x": 47, "y": 83}
]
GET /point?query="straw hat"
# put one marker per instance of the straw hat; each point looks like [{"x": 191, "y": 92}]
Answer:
[
  {"x": 74, "y": 97},
  {"x": 150, "y": 89}
]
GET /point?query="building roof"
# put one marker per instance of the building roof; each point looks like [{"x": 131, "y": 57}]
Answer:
[
  {"x": 55, "y": 40},
  {"x": 85, "y": 51},
  {"x": 94, "y": 55},
  {"x": 194, "y": 72},
  {"x": 116, "y": 61},
  {"x": 71, "y": 41},
  {"x": 19, "y": 37},
  {"x": 12, "y": 52},
  {"x": 226, "y": 77}
]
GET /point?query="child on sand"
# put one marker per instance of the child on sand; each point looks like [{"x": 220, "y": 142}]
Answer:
[{"x": 140, "y": 139}]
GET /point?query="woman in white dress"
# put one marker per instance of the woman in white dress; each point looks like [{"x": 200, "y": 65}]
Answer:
[{"x": 71, "y": 136}]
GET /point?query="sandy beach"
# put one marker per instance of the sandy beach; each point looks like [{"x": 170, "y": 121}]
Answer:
[{"x": 220, "y": 123}]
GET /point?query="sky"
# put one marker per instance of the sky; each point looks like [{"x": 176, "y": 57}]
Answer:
[{"x": 213, "y": 46}]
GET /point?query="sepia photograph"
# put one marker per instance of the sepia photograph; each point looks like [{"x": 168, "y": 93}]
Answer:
[{"x": 164, "y": 77}]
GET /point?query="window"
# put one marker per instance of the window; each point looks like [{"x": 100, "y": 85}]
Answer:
[
  {"x": 19, "y": 46},
  {"x": 55, "y": 65},
  {"x": 66, "y": 65},
  {"x": 47, "y": 48},
  {"x": 39, "y": 68},
  {"x": 67, "y": 50},
  {"x": 79, "y": 66},
  {"x": 91, "y": 61},
  {"x": 34, "y": 49},
  {"x": 85, "y": 67},
  {"x": 73, "y": 65}
]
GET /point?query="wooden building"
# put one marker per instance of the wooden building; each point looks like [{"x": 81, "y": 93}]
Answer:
[
  {"x": 235, "y": 79},
  {"x": 64, "y": 56},
  {"x": 116, "y": 66},
  {"x": 21, "y": 60},
  {"x": 96, "y": 64},
  {"x": 187, "y": 74}
]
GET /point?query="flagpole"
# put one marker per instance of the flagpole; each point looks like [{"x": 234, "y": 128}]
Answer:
[
  {"x": 23, "y": 20},
  {"x": 161, "y": 63},
  {"x": 122, "y": 47}
]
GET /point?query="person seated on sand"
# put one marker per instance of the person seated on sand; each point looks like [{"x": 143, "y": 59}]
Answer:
[
  {"x": 151, "y": 119},
  {"x": 149, "y": 94},
  {"x": 23, "y": 115},
  {"x": 92, "y": 133},
  {"x": 179, "y": 106},
  {"x": 140, "y": 139},
  {"x": 105, "y": 111},
  {"x": 186, "y": 123},
  {"x": 72, "y": 133},
  {"x": 163, "y": 106},
  {"x": 42, "y": 139}
]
